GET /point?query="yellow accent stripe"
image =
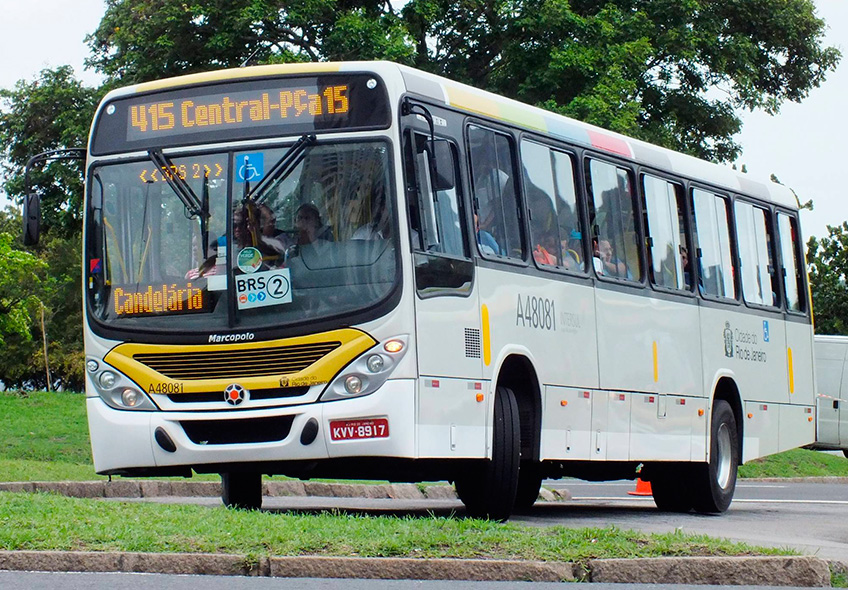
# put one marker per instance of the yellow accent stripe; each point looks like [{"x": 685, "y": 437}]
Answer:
[
  {"x": 487, "y": 338},
  {"x": 656, "y": 364},
  {"x": 236, "y": 74},
  {"x": 353, "y": 343},
  {"x": 791, "y": 370}
]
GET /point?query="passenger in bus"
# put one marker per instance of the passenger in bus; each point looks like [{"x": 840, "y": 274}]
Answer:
[
  {"x": 310, "y": 228},
  {"x": 487, "y": 242},
  {"x": 379, "y": 227},
  {"x": 544, "y": 252},
  {"x": 264, "y": 235},
  {"x": 606, "y": 263},
  {"x": 571, "y": 249}
]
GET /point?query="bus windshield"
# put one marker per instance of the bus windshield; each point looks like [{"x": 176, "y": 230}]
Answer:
[{"x": 313, "y": 241}]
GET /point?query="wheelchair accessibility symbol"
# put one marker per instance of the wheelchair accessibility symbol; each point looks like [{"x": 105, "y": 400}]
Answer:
[{"x": 250, "y": 167}]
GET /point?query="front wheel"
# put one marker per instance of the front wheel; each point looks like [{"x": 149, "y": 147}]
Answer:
[
  {"x": 488, "y": 490},
  {"x": 242, "y": 490},
  {"x": 715, "y": 481}
]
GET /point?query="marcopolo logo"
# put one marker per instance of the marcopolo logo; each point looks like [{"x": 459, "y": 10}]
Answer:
[{"x": 244, "y": 337}]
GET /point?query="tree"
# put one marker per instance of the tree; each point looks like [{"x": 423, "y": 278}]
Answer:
[
  {"x": 674, "y": 72},
  {"x": 53, "y": 111},
  {"x": 827, "y": 261}
]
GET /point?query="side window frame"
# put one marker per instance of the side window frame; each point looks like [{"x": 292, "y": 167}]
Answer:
[
  {"x": 770, "y": 282},
  {"x": 684, "y": 218},
  {"x": 436, "y": 274},
  {"x": 797, "y": 248},
  {"x": 575, "y": 243},
  {"x": 474, "y": 189},
  {"x": 696, "y": 259},
  {"x": 593, "y": 226}
]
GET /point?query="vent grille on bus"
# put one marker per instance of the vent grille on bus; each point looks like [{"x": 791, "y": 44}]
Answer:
[
  {"x": 472, "y": 343},
  {"x": 233, "y": 432},
  {"x": 224, "y": 364}
]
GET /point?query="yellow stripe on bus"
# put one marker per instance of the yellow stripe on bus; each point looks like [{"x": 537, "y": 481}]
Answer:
[
  {"x": 487, "y": 340},
  {"x": 656, "y": 364},
  {"x": 791, "y": 370}
]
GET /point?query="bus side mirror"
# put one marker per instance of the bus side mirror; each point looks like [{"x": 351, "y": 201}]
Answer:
[
  {"x": 32, "y": 219},
  {"x": 443, "y": 165}
]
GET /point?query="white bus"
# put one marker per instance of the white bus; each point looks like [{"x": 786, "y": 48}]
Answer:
[
  {"x": 832, "y": 388},
  {"x": 429, "y": 282}
]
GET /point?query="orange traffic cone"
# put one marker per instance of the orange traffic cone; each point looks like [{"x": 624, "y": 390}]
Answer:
[{"x": 643, "y": 488}]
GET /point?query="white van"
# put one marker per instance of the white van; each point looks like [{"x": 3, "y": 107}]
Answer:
[{"x": 832, "y": 388}]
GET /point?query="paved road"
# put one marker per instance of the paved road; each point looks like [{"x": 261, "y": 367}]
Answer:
[
  {"x": 78, "y": 581},
  {"x": 810, "y": 517}
]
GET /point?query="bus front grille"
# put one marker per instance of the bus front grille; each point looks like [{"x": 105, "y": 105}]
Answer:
[
  {"x": 232, "y": 364},
  {"x": 234, "y": 432}
]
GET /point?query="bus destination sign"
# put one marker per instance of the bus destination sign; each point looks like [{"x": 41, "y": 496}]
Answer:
[{"x": 239, "y": 110}]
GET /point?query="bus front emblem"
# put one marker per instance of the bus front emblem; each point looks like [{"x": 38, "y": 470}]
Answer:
[{"x": 234, "y": 394}]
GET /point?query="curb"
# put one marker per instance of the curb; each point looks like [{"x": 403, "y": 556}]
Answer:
[
  {"x": 775, "y": 571},
  {"x": 125, "y": 488}
]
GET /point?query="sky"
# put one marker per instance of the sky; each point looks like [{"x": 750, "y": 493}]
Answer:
[{"x": 803, "y": 145}]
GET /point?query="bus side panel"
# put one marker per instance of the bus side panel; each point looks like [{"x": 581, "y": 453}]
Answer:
[
  {"x": 553, "y": 319},
  {"x": 761, "y": 427},
  {"x": 797, "y": 427},
  {"x": 625, "y": 341},
  {"x": 566, "y": 422},
  {"x": 799, "y": 339},
  {"x": 661, "y": 428},
  {"x": 618, "y": 426},
  {"x": 451, "y": 421}
]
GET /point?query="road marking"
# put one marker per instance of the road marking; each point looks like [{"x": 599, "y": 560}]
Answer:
[{"x": 735, "y": 500}]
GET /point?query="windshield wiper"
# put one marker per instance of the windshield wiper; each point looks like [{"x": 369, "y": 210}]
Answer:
[
  {"x": 176, "y": 182},
  {"x": 282, "y": 168}
]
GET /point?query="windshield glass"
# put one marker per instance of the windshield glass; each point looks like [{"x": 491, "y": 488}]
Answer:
[{"x": 313, "y": 239}]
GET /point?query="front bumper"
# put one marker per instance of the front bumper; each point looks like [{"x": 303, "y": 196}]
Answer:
[{"x": 126, "y": 440}]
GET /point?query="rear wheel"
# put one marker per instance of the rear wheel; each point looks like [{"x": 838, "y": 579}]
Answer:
[
  {"x": 242, "y": 490},
  {"x": 714, "y": 482},
  {"x": 845, "y": 452},
  {"x": 529, "y": 484},
  {"x": 488, "y": 490}
]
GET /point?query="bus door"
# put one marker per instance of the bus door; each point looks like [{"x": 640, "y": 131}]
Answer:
[{"x": 451, "y": 409}]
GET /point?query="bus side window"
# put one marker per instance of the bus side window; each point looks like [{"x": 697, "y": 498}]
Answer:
[
  {"x": 753, "y": 234},
  {"x": 497, "y": 216},
  {"x": 793, "y": 278},
  {"x": 666, "y": 239},
  {"x": 555, "y": 230},
  {"x": 612, "y": 216},
  {"x": 712, "y": 242}
]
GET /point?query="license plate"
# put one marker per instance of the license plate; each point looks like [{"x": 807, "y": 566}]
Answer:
[{"x": 359, "y": 429}]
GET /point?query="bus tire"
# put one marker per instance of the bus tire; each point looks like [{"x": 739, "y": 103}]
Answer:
[
  {"x": 715, "y": 481},
  {"x": 488, "y": 490},
  {"x": 670, "y": 490},
  {"x": 845, "y": 453},
  {"x": 529, "y": 484},
  {"x": 242, "y": 491}
]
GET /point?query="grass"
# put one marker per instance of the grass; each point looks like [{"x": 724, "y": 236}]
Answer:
[
  {"x": 46, "y": 439},
  {"x": 51, "y": 522}
]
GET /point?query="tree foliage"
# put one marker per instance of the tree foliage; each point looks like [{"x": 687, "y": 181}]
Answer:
[
  {"x": 674, "y": 72},
  {"x": 53, "y": 111},
  {"x": 827, "y": 261}
]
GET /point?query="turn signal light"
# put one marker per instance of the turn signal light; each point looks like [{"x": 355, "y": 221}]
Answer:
[{"x": 393, "y": 346}]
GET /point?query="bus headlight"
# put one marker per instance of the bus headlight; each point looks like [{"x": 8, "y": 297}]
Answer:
[
  {"x": 375, "y": 363},
  {"x": 108, "y": 379},
  {"x": 367, "y": 373},
  {"x": 92, "y": 365},
  {"x": 353, "y": 384},
  {"x": 131, "y": 397},
  {"x": 118, "y": 391}
]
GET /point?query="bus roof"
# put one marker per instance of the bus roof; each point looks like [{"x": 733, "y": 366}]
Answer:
[{"x": 468, "y": 98}]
